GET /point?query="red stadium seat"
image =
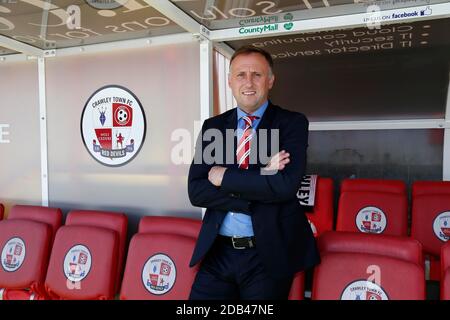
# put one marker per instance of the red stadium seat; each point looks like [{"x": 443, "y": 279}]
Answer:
[
  {"x": 373, "y": 206},
  {"x": 357, "y": 266},
  {"x": 158, "y": 267},
  {"x": 89, "y": 247},
  {"x": 162, "y": 243},
  {"x": 445, "y": 267},
  {"x": 431, "y": 219},
  {"x": 321, "y": 216},
  {"x": 88, "y": 257},
  {"x": 381, "y": 185},
  {"x": 50, "y": 216},
  {"x": 298, "y": 287},
  {"x": 161, "y": 224},
  {"x": 109, "y": 220},
  {"x": 25, "y": 249}
]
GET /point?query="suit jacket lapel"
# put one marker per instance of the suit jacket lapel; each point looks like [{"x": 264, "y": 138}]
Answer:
[
  {"x": 266, "y": 125},
  {"x": 229, "y": 151}
]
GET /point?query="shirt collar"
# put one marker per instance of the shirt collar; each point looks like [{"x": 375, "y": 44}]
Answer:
[{"x": 258, "y": 112}]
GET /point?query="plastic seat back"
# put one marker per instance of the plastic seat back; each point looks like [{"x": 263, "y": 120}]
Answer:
[
  {"x": 431, "y": 220},
  {"x": 298, "y": 287},
  {"x": 358, "y": 266},
  {"x": 162, "y": 224},
  {"x": 83, "y": 263},
  {"x": 431, "y": 214},
  {"x": 157, "y": 267},
  {"x": 445, "y": 268},
  {"x": 50, "y": 216},
  {"x": 25, "y": 250},
  {"x": 104, "y": 219},
  {"x": 373, "y": 206}
]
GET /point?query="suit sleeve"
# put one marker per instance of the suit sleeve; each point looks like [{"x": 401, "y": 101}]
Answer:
[
  {"x": 279, "y": 187},
  {"x": 202, "y": 193}
]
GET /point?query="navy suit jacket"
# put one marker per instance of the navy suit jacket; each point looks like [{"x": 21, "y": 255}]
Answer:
[{"x": 284, "y": 239}]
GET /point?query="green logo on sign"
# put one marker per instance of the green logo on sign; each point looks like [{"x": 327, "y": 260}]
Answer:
[
  {"x": 288, "y": 16},
  {"x": 288, "y": 26}
]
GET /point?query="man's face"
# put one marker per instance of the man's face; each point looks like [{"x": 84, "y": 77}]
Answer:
[{"x": 250, "y": 80}]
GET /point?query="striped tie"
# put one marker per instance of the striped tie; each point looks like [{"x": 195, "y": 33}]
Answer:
[{"x": 243, "y": 149}]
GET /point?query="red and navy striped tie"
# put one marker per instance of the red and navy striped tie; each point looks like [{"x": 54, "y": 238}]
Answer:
[{"x": 243, "y": 149}]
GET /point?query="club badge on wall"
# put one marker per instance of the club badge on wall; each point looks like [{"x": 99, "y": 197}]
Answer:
[{"x": 113, "y": 125}]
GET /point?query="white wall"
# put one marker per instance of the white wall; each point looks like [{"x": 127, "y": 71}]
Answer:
[
  {"x": 166, "y": 81},
  {"x": 19, "y": 134}
]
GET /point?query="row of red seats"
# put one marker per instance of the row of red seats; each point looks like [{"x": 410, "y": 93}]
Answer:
[
  {"x": 381, "y": 207},
  {"x": 118, "y": 223},
  {"x": 372, "y": 224},
  {"x": 86, "y": 258},
  {"x": 83, "y": 259}
]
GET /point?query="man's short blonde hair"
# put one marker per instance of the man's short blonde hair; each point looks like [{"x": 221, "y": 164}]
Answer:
[{"x": 251, "y": 49}]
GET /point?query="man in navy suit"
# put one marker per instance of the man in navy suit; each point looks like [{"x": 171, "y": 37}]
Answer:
[{"x": 255, "y": 235}]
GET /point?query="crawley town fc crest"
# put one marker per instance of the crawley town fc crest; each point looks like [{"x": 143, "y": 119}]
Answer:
[
  {"x": 441, "y": 226},
  {"x": 371, "y": 220},
  {"x": 159, "y": 274},
  {"x": 113, "y": 125},
  {"x": 13, "y": 254},
  {"x": 363, "y": 290},
  {"x": 77, "y": 263}
]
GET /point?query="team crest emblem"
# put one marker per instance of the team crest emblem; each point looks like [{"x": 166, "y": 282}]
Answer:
[
  {"x": 13, "y": 254},
  {"x": 371, "y": 220},
  {"x": 441, "y": 226},
  {"x": 159, "y": 274},
  {"x": 113, "y": 125},
  {"x": 77, "y": 263},
  {"x": 363, "y": 290}
]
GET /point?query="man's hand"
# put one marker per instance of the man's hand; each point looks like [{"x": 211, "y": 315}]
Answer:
[
  {"x": 278, "y": 161},
  {"x": 215, "y": 175}
]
